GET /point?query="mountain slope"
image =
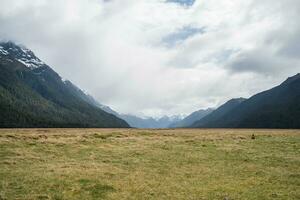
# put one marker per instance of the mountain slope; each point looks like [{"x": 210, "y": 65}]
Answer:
[
  {"x": 33, "y": 95},
  {"x": 278, "y": 107},
  {"x": 212, "y": 119},
  {"x": 191, "y": 119}
]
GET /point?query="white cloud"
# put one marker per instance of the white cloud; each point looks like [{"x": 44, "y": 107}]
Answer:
[{"x": 115, "y": 49}]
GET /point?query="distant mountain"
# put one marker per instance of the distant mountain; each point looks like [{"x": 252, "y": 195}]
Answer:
[
  {"x": 191, "y": 119},
  {"x": 88, "y": 98},
  {"x": 132, "y": 120},
  {"x": 211, "y": 119},
  {"x": 33, "y": 95},
  {"x": 278, "y": 107},
  {"x": 149, "y": 122}
]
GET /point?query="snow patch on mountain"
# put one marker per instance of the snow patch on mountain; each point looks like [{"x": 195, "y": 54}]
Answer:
[
  {"x": 31, "y": 63},
  {"x": 3, "y": 51},
  {"x": 21, "y": 54}
]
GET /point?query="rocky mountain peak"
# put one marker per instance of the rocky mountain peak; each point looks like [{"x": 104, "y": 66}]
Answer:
[{"x": 20, "y": 53}]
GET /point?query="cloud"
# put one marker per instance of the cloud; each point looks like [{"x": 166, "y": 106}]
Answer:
[
  {"x": 181, "y": 35},
  {"x": 274, "y": 50},
  {"x": 262, "y": 61},
  {"x": 157, "y": 57},
  {"x": 183, "y": 2}
]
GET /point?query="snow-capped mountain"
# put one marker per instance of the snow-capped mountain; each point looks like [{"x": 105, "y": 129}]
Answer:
[
  {"x": 34, "y": 95},
  {"x": 149, "y": 122},
  {"x": 21, "y": 54}
]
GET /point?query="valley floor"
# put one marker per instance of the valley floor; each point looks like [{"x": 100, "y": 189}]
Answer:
[{"x": 149, "y": 164}]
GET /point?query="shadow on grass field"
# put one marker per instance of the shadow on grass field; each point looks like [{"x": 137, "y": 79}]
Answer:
[{"x": 149, "y": 164}]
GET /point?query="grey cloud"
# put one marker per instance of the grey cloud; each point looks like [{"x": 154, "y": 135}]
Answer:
[
  {"x": 289, "y": 42},
  {"x": 278, "y": 52},
  {"x": 183, "y": 2},
  {"x": 110, "y": 49},
  {"x": 181, "y": 35},
  {"x": 255, "y": 61}
]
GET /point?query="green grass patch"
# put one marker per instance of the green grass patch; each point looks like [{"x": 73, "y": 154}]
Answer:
[{"x": 149, "y": 164}]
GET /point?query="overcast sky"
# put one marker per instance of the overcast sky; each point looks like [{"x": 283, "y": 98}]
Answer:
[{"x": 161, "y": 57}]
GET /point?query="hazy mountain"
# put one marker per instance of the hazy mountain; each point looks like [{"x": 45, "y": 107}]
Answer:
[
  {"x": 149, "y": 122},
  {"x": 142, "y": 122},
  {"x": 132, "y": 120},
  {"x": 275, "y": 108},
  {"x": 218, "y": 114},
  {"x": 191, "y": 119},
  {"x": 33, "y": 95},
  {"x": 88, "y": 98}
]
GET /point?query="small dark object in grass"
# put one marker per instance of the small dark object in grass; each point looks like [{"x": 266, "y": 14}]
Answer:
[
  {"x": 274, "y": 195},
  {"x": 253, "y": 137}
]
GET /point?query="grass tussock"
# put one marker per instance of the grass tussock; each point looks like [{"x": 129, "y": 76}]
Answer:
[{"x": 149, "y": 164}]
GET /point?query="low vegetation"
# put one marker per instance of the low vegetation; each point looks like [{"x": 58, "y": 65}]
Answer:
[{"x": 149, "y": 164}]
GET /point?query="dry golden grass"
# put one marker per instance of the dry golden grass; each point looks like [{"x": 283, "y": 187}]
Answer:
[{"x": 149, "y": 164}]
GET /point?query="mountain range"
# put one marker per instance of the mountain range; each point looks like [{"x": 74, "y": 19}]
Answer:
[
  {"x": 150, "y": 122},
  {"x": 34, "y": 95},
  {"x": 217, "y": 114},
  {"x": 133, "y": 120},
  {"x": 143, "y": 122},
  {"x": 191, "y": 119},
  {"x": 278, "y": 107}
]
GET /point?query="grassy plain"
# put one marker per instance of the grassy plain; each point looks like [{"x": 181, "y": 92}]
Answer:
[{"x": 141, "y": 164}]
